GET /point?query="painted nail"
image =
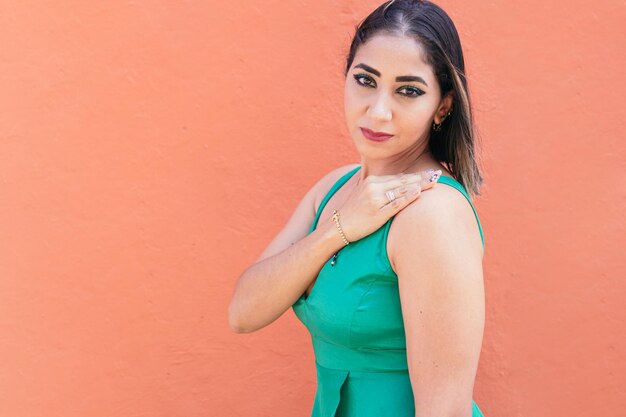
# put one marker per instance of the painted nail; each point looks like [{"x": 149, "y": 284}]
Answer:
[{"x": 435, "y": 175}]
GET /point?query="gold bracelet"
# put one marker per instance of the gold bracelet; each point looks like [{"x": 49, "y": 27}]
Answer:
[{"x": 336, "y": 220}]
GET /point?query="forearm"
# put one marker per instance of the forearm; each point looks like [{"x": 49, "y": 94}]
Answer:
[{"x": 268, "y": 288}]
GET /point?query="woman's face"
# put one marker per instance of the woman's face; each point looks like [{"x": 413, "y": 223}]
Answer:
[{"x": 406, "y": 107}]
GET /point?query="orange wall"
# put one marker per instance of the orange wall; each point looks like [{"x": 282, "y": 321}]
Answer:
[{"x": 149, "y": 151}]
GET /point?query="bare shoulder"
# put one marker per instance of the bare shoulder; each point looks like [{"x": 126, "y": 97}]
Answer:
[
  {"x": 328, "y": 180},
  {"x": 440, "y": 217}
]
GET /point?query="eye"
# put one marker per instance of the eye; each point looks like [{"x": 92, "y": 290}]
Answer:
[
  {"x": 367, "y": 81},
  {"x": 413, "y": 92},
  {"x": 359, "y": 77}
]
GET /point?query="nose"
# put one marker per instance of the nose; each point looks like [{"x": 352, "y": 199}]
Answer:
[{"x": 380, "y": 109}]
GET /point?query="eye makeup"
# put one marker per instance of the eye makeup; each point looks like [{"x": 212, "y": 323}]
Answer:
[{"x": 416, "y": 92}]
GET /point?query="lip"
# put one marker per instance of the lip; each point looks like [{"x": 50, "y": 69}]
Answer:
[{"x": 375, "y": 136}]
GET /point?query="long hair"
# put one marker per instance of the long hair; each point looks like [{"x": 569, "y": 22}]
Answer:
[{"x": 454, "y": 145}]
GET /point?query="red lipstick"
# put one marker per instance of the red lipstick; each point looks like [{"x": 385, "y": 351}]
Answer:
[{"x": 375, "y": 136}]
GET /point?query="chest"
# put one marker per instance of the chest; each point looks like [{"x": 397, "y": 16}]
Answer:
[
  {"x": 356, "y": 302},
  {"x": 336, "y": 201}
]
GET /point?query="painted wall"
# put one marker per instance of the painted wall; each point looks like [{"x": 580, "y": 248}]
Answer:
[{"x": 149, "y": 151}]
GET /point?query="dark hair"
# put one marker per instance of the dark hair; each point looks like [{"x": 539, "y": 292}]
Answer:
[{"x": 454, "y": 144}]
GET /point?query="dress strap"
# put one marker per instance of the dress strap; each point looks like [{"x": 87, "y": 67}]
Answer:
[
  {"x": 442, "y": 179},
  {"x": 341, "y": 181},
  {"x": 455, "y": 184}
]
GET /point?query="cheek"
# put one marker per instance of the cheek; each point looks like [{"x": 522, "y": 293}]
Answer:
[
  {"x": 422, "y": 111},
  {"x": 414, "y": 120},
  {"x": 351, "y": 103}
]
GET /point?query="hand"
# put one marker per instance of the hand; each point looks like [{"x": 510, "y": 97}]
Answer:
[{"x": 368, "y": 208}]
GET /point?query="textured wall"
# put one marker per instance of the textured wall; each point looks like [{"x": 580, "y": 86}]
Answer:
[{"x": 149, "y": 151}]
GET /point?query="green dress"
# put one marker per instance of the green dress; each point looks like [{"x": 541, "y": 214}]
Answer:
[{"x": 354, "y": 317}]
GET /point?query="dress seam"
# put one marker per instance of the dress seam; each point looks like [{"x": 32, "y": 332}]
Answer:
[{"x": 369, "y": 287}]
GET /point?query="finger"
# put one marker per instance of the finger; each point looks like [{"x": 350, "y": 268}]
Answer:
[
  {"x": 404, "y": 194},
  {"x": 430, "y": 182},
  {"x": 399, "y": 179},
  {"x": 422, "y": 177},
  {"x": 424, "y": 183},
  {"x": 401, "y": 201},
  {"x": 419, "y": 181},
  {"x": 403, "y": 190}
]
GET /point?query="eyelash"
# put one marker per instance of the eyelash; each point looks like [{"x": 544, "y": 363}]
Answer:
[{"x": 358, "y": 77}]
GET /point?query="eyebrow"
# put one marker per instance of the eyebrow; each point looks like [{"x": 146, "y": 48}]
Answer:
[{"x": 401, "y": 78}]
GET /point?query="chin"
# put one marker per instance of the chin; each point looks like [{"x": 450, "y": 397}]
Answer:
[{"x": 367, "y": 151}]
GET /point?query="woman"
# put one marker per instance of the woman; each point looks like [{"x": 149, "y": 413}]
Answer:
[{"x": 388, "y": 280}]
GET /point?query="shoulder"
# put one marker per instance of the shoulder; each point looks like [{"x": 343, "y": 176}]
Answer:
[
  {"x": 441, "y": 221},
  {"x": 328, "y": 180}
]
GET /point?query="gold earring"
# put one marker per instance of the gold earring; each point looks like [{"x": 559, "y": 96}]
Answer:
[{"x": 437, "y": 126}]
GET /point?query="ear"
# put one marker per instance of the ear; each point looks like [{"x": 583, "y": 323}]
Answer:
[{"x": 444, "y": 107}]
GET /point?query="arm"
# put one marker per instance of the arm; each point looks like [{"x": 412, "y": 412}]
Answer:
[
  {"x": 439, "y": 266},
  {"x": 269, "y": 287}
]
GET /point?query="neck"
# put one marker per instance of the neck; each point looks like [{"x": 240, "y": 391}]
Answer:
[{"x": 393, "y": 166}]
